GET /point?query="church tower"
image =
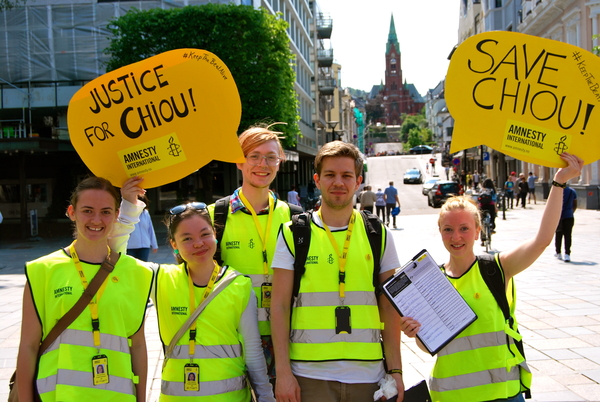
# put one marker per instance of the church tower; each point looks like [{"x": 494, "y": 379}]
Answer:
[{"x": 398, "y": 96}]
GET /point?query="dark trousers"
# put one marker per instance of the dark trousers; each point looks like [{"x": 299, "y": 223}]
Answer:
[
  {"x": 388, "y": 211},
  {"x": 523, "y": 198},
  {"x": 139, "y": 253},
  {"x": 381, "y": 212},
  {"x": 564, "y": 229}
]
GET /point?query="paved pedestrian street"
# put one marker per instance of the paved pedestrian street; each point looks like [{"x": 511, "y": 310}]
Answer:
[{"x": 558, "y": 303}]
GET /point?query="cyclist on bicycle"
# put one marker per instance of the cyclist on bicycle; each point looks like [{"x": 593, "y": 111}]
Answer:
[{"x": 487, "y": 201}]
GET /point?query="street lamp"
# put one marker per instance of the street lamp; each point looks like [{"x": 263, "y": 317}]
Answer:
[{"x": 332, "y": 125}]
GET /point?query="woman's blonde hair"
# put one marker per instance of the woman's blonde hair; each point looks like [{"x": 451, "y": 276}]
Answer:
[{"x": 461, "y": 202}]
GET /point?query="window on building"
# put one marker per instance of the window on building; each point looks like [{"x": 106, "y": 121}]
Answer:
[{"x": 498, "y": 3}]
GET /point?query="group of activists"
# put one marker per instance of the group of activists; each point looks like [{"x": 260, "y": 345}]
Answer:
[{"x": 260, "y": 305}]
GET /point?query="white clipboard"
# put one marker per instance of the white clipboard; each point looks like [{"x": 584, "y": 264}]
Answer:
[{"x": 421, "y": 290}]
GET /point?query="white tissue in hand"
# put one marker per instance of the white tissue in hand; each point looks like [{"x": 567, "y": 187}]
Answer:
[{"x": 387, "y": 388}]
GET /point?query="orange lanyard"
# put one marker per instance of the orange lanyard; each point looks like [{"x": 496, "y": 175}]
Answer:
[
  {"x": 342, "y": 258},
  {"x": 193, "y": 305},
  {"x": 94, "y": 302},
  {"x": 264, "y": 235}
]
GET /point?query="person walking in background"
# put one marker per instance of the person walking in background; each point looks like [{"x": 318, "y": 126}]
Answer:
[
  {"x": 523, "y": 189},
  {"x": 293, "y": 197},
  {"x": 565, "y": 225},
  {"x": 380, "y": 204},
  {"x": 509, "y": 191},
  {"x": 390, "y": 196},
  {"x": 531, "y": 184},
  {"x": 368, "y": 199},
  {"x": 475, "y": 180},
  {"x": 447, "y": 170},
  {"x": 143, "y": 237},
  {"x": 469, "y": 180}
]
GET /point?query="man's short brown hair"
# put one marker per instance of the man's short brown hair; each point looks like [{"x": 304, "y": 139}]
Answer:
[{"x": 339, "y": 148}]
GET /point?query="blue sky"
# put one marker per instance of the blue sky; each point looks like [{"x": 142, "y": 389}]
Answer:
[{"x": 427, "y": 31}]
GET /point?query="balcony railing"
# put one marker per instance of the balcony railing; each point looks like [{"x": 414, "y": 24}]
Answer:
[
  {"x": 324, "y": 26},
  {"x": 325, "y": 57},
  {"x": 327, "y": 86}
]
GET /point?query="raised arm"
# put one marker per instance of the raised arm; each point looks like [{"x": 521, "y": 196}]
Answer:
[
  {"x": 521, "y": 257},
  {"x": 129, "y": 214}
]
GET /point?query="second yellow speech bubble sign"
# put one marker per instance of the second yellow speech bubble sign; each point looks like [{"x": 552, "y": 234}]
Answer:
[
  {"x": 161, "y": 118},
  {"x": 529, "y": 97}
]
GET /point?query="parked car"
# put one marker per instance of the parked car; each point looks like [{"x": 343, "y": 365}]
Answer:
[
  {"x": 441, "y": 191},
  {"x": 413, "y": 176},
  {"x": 421, "y": 149},
  {"x": 428, "y": 184}
]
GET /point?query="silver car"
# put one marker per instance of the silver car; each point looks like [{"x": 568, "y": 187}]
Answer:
[{"x": 428, "y": 184}]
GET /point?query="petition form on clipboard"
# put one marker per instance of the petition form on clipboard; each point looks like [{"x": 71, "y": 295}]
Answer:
[{"x": 421, "y": 290}]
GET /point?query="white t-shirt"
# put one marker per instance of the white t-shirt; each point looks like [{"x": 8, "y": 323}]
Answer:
[
  {"x": 292, "y": 197},
  {"x": 348, "y": 372}
]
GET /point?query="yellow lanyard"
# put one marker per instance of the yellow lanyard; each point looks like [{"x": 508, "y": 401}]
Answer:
[
  {"x": 193, "y": 305},
  {"x": 264, "y": 236},
  {"x": 344, "y": 254},
  {"x": 94, "y": 302}
]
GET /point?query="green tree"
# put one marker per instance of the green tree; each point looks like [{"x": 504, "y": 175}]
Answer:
[
  {"x": 9, "y": 5},
  {"x": 252, "y": 43}
]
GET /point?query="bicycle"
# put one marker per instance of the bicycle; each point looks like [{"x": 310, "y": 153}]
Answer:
[{"x": 486, "y": 230}]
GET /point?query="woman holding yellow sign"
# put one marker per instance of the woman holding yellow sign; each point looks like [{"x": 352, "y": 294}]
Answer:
[
  {"x": 484, "y": 362},
  {"x": 91, "y": 330}
]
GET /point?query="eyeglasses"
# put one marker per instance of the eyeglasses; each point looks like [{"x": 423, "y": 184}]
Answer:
[
  {"x": 256, "y": 159},
  {"x": 180, "y": 208}
]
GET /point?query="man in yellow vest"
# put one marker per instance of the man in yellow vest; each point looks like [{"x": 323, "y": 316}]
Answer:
[
  {"x": 247, "y": 228},
  {"x": 330, "y": 348}
]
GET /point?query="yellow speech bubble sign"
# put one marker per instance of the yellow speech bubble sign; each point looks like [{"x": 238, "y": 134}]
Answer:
[
  {"x": 161, "y": 118},
  {"x": 528, "y": 97}
]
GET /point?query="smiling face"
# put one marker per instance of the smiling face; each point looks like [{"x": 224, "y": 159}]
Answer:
[
  {"x": 195, "y": 240},
  {"x": 94, "y": 214},
  {"x": 337, "y": 181},
  {"x": 260, "y": 176},
  {"x": 459, "y": 232}
]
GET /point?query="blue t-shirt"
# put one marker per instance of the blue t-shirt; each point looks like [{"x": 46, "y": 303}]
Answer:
[
  {"x": 569, "y": 196},
  {"x": 531, "y": 181},
  {"x": 390, "y": 195}
]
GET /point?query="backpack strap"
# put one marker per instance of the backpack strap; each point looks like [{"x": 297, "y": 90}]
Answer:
[
  {"x": 219, "y": 221},
  {"x": 301, "y": 231},
  {"x": 375, "y": 235},
  {"x": 295, "y": 209},
  {"x": 495, "y": 281}
]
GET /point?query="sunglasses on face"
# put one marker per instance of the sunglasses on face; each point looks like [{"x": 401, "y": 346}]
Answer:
[{"x": 180, "y": 208}]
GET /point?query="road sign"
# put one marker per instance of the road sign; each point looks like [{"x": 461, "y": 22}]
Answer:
[
  {"x": 486, "y": 156},
  {"x": 456, "y": 161}
]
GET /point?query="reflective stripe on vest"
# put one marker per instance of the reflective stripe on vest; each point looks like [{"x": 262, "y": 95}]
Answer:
[
  {"x": 241, "y": 249},
  {"x": 82, "y": 338},
  {"x": 207, "y": 352},
  {"x": 320, "y": 299},
  {"x": 476, "y": 341},
  {"x": 312, "y": 334},
  {"x": 493, "y": 376},
  {"x": 327, "y": 336},
  {"x": 83, "y": 379},
  {"x": 207, "y": 388}
]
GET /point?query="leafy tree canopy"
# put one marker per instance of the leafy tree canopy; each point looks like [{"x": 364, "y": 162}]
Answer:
[
  {"x": 9, "y": 5},
  {"x": 252, "y": 43}
]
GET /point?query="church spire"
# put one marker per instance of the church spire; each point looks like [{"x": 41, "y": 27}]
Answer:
[{"x": 392, "y": 38}]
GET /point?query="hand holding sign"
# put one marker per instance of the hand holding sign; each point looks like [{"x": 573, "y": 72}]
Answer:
[
  {"x": 528, "y": 97},
  {"x": 161, "y": 118}
]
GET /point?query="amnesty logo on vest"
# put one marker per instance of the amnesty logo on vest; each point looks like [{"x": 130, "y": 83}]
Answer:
[
  {"x": 179, "y": 310},
  {"x": 65, "y": 290},
  {"x": 232, "y": 245},
  {"x": 312, "y": 259}
]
